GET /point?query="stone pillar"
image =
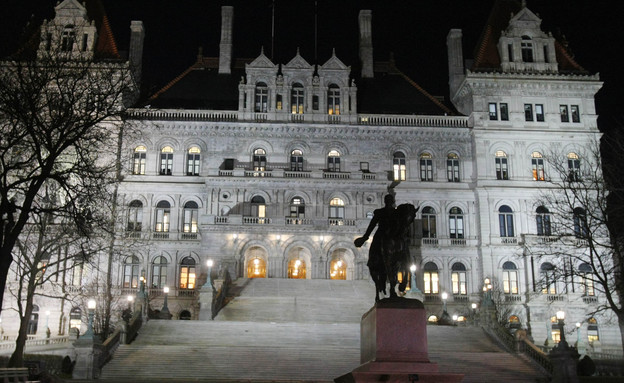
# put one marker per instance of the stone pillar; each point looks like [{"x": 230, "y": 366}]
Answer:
[
  {"x": 225, "y": 47},
  {"x": 455, "y": 59},
  {"x": 564, "y": 359},
  {"x": 137, "y": 35},
  {"x": 366, "y": 42},
  {"x": 88, "y": 353}
]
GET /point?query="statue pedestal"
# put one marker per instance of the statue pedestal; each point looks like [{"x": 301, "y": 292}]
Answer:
[
  {"x": 206, "y": 296},
  {"x": 393, "y": 345}
]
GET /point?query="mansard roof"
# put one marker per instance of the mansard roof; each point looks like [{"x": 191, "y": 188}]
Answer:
[{"x": 486, "y": 55}]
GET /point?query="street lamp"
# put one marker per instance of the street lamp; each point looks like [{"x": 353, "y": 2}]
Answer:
[
  {"x": 560, "y": 317},
  {"x": 413, "y": 285},
  {"x": 91, "y": 312},
  {"x": 164, "y": 312},
  {"x": 208, "y": 283},
  {"x": 474, "y": 312},
  {"x": 130, "y": 300},
  {"x": 444, "y": 298}
]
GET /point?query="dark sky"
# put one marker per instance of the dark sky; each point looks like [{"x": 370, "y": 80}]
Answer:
[{"x": 414, "y": 30}]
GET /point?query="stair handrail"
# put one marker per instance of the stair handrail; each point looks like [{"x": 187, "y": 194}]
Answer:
[
  {"x": 134, "y": 325},
  {"x": 218, "y": 301},
  {"x": 527, "y": 347},
  {"x": 109, "y": 346}
]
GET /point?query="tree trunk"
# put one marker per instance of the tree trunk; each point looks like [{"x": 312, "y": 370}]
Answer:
[
  {"x": 17, "y": 358},
  {"x": 5, "y": 264},
  {"x": 621, "y": 326}
]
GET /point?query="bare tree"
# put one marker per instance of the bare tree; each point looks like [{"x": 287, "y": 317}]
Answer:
[
  {"x": 60, "y": 121},
  {"x": 575, "y": 223}
]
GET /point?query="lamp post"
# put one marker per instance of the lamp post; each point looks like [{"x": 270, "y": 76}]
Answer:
[
  {"x": 130, "y": 301},
  {"x": 91, "y": 312},
  {"x": 164, "y": 312},
  {"x": 474, "y": 313},
  {"x": 560, "y": 317},
  {"x": 564, "y": 358},
  {"x": 208, "y": 283},
  {"x": 444, "y": 298}
]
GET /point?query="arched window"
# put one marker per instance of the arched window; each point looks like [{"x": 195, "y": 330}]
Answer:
[
  {"x": 432, "y": 319},
  {"x": 333, "y": 161},
  {"x": 135, "y": 216},
  {"x": 193, "y": 161},
  {"x": 337, "y": 269},
  {"x": 510, "y": 278},
  {"x": 131, "y": 272},
  {"x": 399, "y": 169},
  {"x": 166, "y": 160},
  {"x": 574, "y": 167},
  {"x": 138, "y": 166},
  {"x": 262, "y": 97},
  {"x": 296, "y": 269},
  {"x": 527, "y": 49},
  {"x": 555, "y": 329},
  {"x": 187, "y": 273},
  {"x": 586, "y": 279},
  {"x": 426, "y": 167},
  {"x": 191, "y": 214},
  {"x": 542, "y": 220},
  {"x": 258, "y": 208},
  {"x": 68, "y": 38},
  {"x": 452, "y": 167},
  {"x": 159, "y": 272},
  {"x": 33, "y": 322},
  {"x": 259, "y": 160},
  {"x": 297, "y": 208},
  {"x": 163, "y": 217},
  {"x": 537, "y": 164},
  {"x": 336, "y": 211},
  {"x": 505, "y": 221},
  {"x": 581, "y": 230},
  {"x": 547, "y": 274},
  {"x": 256, "y": 268},
  {"x": 514, "y": 321},
  {"x": 502, "y": 170},
  {"x": 333, "y": 99},
  {"x": 297, "y": 99},
  {"x": 296, "y": 160},
  {"x": 75, "y": 318},
  {"x": 592, "y": 330},
  {"x": 458, "y": 278},
  {"x": 429, "y": 222},
  {"x": 431, "y": 279},
  {"x": 456, "y": 223}
]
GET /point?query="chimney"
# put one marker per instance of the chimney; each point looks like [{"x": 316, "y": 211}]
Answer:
[
  {"x": 225, "y": 47},
  {"x": 366, "y": 43},
  {"x": 455, "y": 60},
  {"x": 135, "y": 55}
]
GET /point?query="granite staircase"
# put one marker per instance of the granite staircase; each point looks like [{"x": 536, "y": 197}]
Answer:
[{"x": 289, "y": 331}]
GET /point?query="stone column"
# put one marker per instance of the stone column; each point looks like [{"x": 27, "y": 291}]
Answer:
[{"x": 88, "y": 353}]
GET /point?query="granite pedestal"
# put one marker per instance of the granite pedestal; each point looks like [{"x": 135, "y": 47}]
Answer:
[{"x": 393, "y": 345}]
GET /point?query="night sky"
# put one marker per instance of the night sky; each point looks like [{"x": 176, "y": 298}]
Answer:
[{"x": 415, "y": 31}]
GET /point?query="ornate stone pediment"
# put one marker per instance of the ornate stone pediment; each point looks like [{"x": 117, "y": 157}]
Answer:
[
  {"x": 334, "y": 63},
  {"x": 298, "y": 62},
  {"x": 261, "y": 62}
]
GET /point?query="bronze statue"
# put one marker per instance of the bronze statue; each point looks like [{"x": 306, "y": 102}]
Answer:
[{"x": 389, "y": 252}]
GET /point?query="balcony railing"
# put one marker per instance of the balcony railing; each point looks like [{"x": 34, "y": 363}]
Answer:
[
  {"x": 256, "y": 221},
  {"x": 458, "y": 242},
  {"x": 298, "y": 221},
  {"x": 341, "y": 222},
  {"x": 513, "y": 298},
  {"x": 430, "y": 241},
  {"x": 590, "y": 299},
  {"x": 160, "y": 235},
  {"x": 336, "y": 175},
  {"x": 189, "y": 236},
  {"x": 554, "y": 298}
]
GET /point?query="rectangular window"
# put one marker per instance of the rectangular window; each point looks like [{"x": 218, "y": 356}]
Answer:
[
  {"x": 501, "y": 168},
  {"x": 426, "y": 170},
  {"x": 510, "y": 52},
  {"x": 278, "y": 102},
  {"x": 539, "y": 112},
  {"x": 458, "y": 280},
  {"x": 563, "y": 111},
  {"x": 364, "y": 167},
  {"x": 504, "y": 112},
  {"x": 510, "y": 282},
  {"x": 315, "y": 102},
  {"x": 85, "y": 38},
  {"x": 452, "y": 170},
  {"x": 528, "y": 112},
  {"x": 576, "y": 115},
  {"x": 493, "y": 111}
]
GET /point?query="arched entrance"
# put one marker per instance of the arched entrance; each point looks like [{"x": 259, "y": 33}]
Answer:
[
  {"x": 337, "y": 269},
  {"x": 185, "y": 315},
  {"x": 255, "y": 262},
  {"x": 298, "y": 263}
]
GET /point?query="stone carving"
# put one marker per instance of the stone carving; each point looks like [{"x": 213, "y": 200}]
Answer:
[{"x": 389, "y": 252}]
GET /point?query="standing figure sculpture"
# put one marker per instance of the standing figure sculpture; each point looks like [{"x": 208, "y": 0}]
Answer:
[{"x": 389, "y": 253}]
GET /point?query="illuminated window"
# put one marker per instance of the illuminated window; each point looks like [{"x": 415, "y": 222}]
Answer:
[
  {"x": 296, "y": 99},
  {"x": 502, "y": 171},
  {"x": 336, "y": 209},
  {"x": 262, "y": 97},
  {"x": 398, "y": 166},
  {"x": 296, "y": 269},
  {"x": 159, "y": 272},
  {"x": 537, "y": 163},
  {"x": 131, "y": 272},
  {"x": 592, "y": 330},
  {"x": 574, "y": 167},
  {"x": 166, "y": 160},
  {"x": 431, "y": 279},
  {"x": 296, "y": 160},
  {"x": 135, "y": 216},
  {"x": 548, "y": 276},
  {"x": 456, "y": 223},
  {"x": 432, "y": 319},
  {"x": 193, "y": 161},
  {"x": 429, "y": 222},
  {"x": 187, "y": 273},
  {"x": 297, "y": 207},
  {"x": 539, "y": 112},
  {"x": 586, "y": 279},
  {"x": 505, "y": 221},
  {"x": 75, "y": 318},
  {"x": 333, "y": 99},
  {"x": 259, "y": 160},
  {"x": 163, "y": 217},
  {"x": 256, "y": 268},
  {"x": 510, "y": 278},
  {"x": 514, "y": 321},
  {"x": 542, "y": 219},
  {"x": 555, "y": 329},
  {"x": 68, "y": 39},
  {"x": 337, "y": 269},
  {"x": 77, "y": 272},
  {"x": 191, "y": 214},
  {"x": 452, "y": 167},
  {"x": 278, "y": 102},
  {"x": 426, "y": 167},
  {"x": 333, "y": 161},
  {"x": 458, "y": 279},
  {"x": 139, "y": 160},
  {"x": 258, "y": 208}
]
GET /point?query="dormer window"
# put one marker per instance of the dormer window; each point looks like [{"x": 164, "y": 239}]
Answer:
[
  {"x": 262, "y": 97},
  {"x": 527, "y": 49},
  {"x": 68, "y": 39},
  {"x": 333, "y": 99},
  {"x": 296, "y": 99}
]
